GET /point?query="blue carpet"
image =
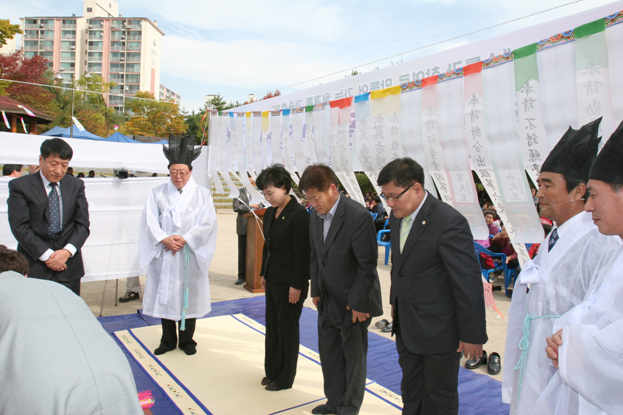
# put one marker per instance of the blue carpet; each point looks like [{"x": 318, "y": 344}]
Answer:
[{"x": 478, "y": 394}]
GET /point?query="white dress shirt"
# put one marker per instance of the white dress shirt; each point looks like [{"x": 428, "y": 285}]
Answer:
[{"x": 328, "y": 218}]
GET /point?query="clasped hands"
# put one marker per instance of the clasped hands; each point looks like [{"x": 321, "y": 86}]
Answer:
[
  {"x": 553, "y": 343},
  {"x": 357, "y": 315},
  {"x": 58, "y": 260},
  {"x": 173, "y": 243}
]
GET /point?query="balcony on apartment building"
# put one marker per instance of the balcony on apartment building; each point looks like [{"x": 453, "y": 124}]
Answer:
[
  {"x": 96, "y": 45},
  {"x": 96, "y": 35},
  {"x": 46, "y": 34},
  {"x": 133, "y": 46},
  {"x": 68, "y": 45},
  {"x": 46, "y": 45},
  {"x": 94, "y": 57},
  {"x": 68, "y": 35},
  {"x": 68, "y": 24},
  {"x": 95, "y": 25},
  {"x": 31, "y": 34}
]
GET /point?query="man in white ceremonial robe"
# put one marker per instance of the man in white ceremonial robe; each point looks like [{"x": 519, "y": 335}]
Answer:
[
  {"x": 177, "y": 240},
  {"x": 587, "y": 344},
  {"x": 559, "y": 277}
]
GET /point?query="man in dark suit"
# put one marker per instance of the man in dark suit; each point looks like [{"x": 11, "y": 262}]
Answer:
[
  {"x": 49, "y": 217},
  {"x": 241, "y": 206},
  {"x": 344, "y": 285},
  {"x": 436, "y": 294}
]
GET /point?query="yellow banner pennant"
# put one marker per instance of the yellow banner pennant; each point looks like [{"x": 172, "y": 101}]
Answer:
[{"x": 382, "y": 93}]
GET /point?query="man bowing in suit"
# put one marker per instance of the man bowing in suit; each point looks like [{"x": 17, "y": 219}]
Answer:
[
  {"x": 344, "y": 286},
  {"x": 49, "y": 217},
  {"x": 436, "y": 294}
]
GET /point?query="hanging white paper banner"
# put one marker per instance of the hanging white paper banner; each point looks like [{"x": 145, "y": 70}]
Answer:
[
  {"x": 556, "y": 63},
  {"x": 614, "y": 40},
  {"x": 213, "y": 151},
  {"x": 308, "y": 132},
  {"x": 411, "y": 129},
  {"x": 298, "y": 140},
  {"x": 430, "y": 136},
  {"x": 266, "y": 139},
  {"x": 456, "y": 156},
  {"x": 320, "y": 128},
  {"x": 363, "y": 140},
  {"x": 276, "y": 144},
  {"x": 286, "y": 137},
  {"x": 340, "y": 148},
  {"x": 248, "y": 143},
  {"x": 226, "y": 127},
  {"x": 531, "y": 125},
  {"x": 255, "y": 196},
  {"x": 592, "y": 77},
  {"x": 77, "y": 123},
  {"x": 256, "y": 137},
  {"x": 500, "y": 115}
]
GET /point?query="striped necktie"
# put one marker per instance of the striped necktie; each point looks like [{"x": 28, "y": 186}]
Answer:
[
  {"x": 404, "y": 231},
  {"x": 553, "y": 238}
]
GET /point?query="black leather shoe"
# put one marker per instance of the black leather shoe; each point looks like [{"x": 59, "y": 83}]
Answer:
[
  {"x": 190, "y": 350},
  {"x": 381, "y": 323},
  {"x": 323, "y": 409},
  {"x": 495, "y": 364},
  {"x": 476, "y": 363},
  {"x": 388, "y": 328},
  {"x": 265, "y": 381},
  {"x": 161, "y": 350},
  {"x": 272, "y": 386},
  {"x": 129, "y": 296},
  {"x": 240, "y": 281}
]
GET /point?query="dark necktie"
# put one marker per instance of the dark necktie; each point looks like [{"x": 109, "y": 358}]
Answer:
[
  {"x": 553, "y": 238},
  {"x": 54, "y": 211}
]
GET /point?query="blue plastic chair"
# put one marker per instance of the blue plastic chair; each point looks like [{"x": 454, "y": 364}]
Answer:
[
  {"x": 387, "y": 245},
  {"x": 374, "y": 215},
  {"x": 486, "y": 271},
  {"x": 509, "y": 277}
]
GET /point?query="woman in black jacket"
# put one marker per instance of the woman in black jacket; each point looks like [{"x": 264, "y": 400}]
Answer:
[{"x": 285, "y": 275}]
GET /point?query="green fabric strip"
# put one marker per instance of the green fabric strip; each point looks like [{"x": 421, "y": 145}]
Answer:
[
  {"x": 590, "y": 28},
  {"x": 309, "y": 108},
  {"x": 526, "y": 68}
]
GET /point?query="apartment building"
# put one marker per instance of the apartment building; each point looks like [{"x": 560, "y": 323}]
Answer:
[
  {"x": 167, "y": 95},
  {"x": 125, "y": 50}
]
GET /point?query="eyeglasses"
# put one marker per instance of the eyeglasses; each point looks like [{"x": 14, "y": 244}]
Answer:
[
  {"x": 179, "y": 173},
  {"x": 395, "y": 198}
]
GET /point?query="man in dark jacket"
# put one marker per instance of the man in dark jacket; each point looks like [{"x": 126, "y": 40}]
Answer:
[{"x": 241, "y": 205}]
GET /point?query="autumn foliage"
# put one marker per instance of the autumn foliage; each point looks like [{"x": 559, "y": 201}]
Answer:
[{"x": 17, "y": 68}]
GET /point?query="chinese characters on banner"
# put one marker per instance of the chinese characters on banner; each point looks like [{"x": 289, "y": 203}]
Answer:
[
  {"x": 286, "y": 136},
  {"x": 213, "y": 151},
  {"x": 592, "y": 76},
  {"x": 456, "y": 157},
  {"x": 298, "y": 140},
  {"x": 256, "y": 137},
  {"x": 531, "y": 124},
  {"x": 614, "y": 40},
  {"x": 363, "y": 140},
  {"x": 341, "y": 110},
  {"x": 276, "y": 145},
  {"x": 430, "y": 136}
]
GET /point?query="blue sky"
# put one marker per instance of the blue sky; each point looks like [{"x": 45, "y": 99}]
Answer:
[{"x": 239, "y": 47}]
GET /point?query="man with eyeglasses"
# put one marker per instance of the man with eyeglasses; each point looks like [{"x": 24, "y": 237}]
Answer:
[
  {"x": 436, "y": 294},
  {"x": 177, "y": 240}
]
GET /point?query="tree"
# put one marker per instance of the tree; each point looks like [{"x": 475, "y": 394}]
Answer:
[
  {"x": 98, "y": 117},
  {"x": 353, "y": 73},
  {"x": 8, "y": 30},
  {"x": 34, "y": 70},
  {"x": 218, "y": 103},
  {"x": 157, "y": 119},
  {"x": 194, "y": 121}
]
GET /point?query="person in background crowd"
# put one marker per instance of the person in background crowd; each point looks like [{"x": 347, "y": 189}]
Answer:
[
  {"x": 33, "y": 168},
  {"x": 285, "y": 275},
  {"x": 547, "y": 228},
  {"x": 42, "y": 335},
  {"x": 490, "y": 218},
  {"x": 12, "y": 170},
  {"x": 70, "y": 171},
  {"x": 91, "y": 173},
  {"x": 81, "y": 175},
  {"x": 381, "y": 213},
  {"x": 49, "y": 217}
]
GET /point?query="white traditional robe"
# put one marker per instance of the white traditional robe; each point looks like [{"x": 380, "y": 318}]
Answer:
[
  {"x": 559, "y": 280},
  {"x": 192, "y": 215},
  {"x": 591, "y": 356}
]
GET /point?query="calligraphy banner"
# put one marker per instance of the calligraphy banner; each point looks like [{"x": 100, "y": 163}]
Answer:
[
  {"x": 321, "y": 132},
  {"x": 248, "y": 143},
  {"x": 213, "y": 150},
  {"x": 286, "y": 136},
  {"x": 455, "y": 156},
  {"x": 298, "y": 140},
  {"x": 592, "y": 76},
  {"x": 501, "y": 122},
  {"x": 266, "y": 139},
  {"x": 256, "y": 135},
  {"x": 339, "y": 135},
  {"x": 411, "y": 129},
  {"x": 363, "y": 140},
  {"x": 226, "y": 128},
  {"x": 614, "y": 41},
  {"x": 276, "y": 144},
  {"x": 308, "y": 131},
  {"x": 430, "y": 136},
  {"x": 531, "y": 124},
  {"x": 385, "y": 115}
]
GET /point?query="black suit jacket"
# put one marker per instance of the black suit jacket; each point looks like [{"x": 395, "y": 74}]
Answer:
[
  {"x": 286, "y": 247},
  {"x": 241, "y": 208},
  {"x": 436, "y": 281},
  {"x": 29, "y": 221},
  {"x": 345, "y": 264}
]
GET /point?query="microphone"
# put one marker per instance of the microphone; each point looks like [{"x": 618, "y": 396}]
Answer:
[{"x": 562, "y": 203}]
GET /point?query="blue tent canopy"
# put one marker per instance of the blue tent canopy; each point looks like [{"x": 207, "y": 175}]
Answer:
[
  {"x": 65, "y": 132},
  {"x": 120, "y": 138}
]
